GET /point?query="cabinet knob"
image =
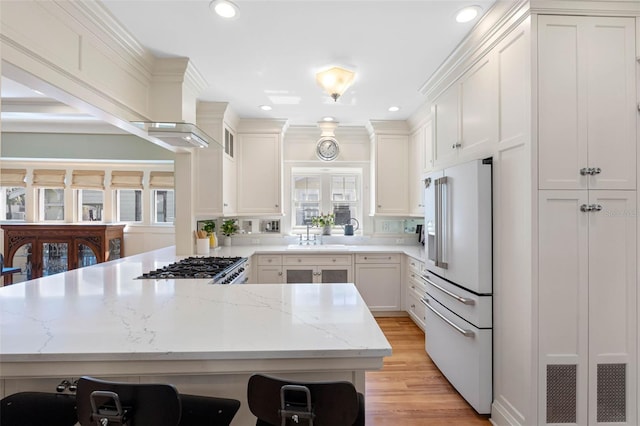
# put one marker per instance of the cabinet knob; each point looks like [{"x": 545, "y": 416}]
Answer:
[
  {"x": 299, "y": 260},
  {"x": 379, "y": 206},
  {"x": 63, "y": 385},
  {"x": 280, "y": 273},
  {"x": 413, "y": 287},
  {"x": 333, "y": 260},
  {"x": 456, "y": 145},
  {"x": 590, "y": 208},
  {"x": 413, "y": 306},
  {"x": 226, "y": 205},
  {"x": 277, "y": 206}
]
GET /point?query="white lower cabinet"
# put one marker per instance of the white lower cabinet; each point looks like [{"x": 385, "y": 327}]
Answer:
[
  {"x": 317, "y": 269},
  {"x": 269, "y": 269},
  {"x": 587, "y": 303},
  {"x": 415, "y": 290},
  {"x": 379, "y": 279}
]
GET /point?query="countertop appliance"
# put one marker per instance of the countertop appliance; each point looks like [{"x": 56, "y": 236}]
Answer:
[
  {"x": 458, "y": 278},
  {"x": 221, "y": 270}
]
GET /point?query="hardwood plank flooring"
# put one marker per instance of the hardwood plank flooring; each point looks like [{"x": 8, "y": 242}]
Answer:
[{"x": 410, "y": 390}]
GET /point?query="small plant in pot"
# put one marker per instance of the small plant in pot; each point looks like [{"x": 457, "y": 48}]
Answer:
[
  {"x": 324, "y": 221},
  {"x": 228, "y": 228}
]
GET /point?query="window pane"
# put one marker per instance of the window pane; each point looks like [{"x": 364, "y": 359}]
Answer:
[
  {"x": 344, "y": 188},
  {"x": 130, "y": 205},
  {"x": 306, "y": 188},
  {"x": 305, "y": 211},
  {"x": 91, "y": 203},
  {"x": 53, "y": 203},
  {"x": 13, "y": 203},
  {"x": 165, "y": 206}
]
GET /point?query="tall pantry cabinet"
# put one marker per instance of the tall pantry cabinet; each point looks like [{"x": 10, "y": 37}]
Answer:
[
  {"x": 587, "y": 265},
  {"x": 565, "y": 223}
]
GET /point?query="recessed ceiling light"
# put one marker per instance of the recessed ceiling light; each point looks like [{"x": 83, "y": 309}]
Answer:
[
  {"x": 467, "y": 14},
  {"x": 224, "y": 8},
  {"x": 394, "y": 108},
  {"x": 327, "y": 118},
  {"x": 265, "y": 107}
]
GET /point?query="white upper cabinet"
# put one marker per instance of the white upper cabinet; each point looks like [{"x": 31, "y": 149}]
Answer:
[
  {"x": 259, "y": 160},
  {"x": 420, "y": 159},
  {"x": 466, "y": 116},
  {"x": 586, "y": 96},
  {"x": 390, "y": 171},
  {"x": 259, "y": 174}
]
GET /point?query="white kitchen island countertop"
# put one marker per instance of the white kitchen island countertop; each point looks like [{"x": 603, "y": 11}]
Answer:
[{"x": 204, "y": 338}]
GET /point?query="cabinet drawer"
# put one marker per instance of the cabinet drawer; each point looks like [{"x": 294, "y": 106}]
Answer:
[
  {"x": 416, "y": 309},
  {"x": 417, "y": 285},
  {"x": 269, "y": 259},
  {"x": 378, "y": 258},
  {"x": 339, "y": 259},
  {"x": 415, "y": 266}
]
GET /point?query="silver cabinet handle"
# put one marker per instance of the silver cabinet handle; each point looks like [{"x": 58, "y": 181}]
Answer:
[
  {"x": 465, "y": 333},
  {"x": 462, "y": 300},
  {"x": 280, "y": 273},
  {"x": 590, "y": 208},
  {"x": 590, "y": 171},
  {"x": 456, "y": 145}
]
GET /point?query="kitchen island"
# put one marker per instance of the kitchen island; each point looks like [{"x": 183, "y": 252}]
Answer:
[{"x": 205, "y": 339}]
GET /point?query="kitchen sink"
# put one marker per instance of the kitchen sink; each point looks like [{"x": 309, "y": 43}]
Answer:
[{"x": 323, "y": 247}]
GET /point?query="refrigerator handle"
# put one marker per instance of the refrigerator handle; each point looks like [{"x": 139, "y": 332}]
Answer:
[{"x": 440, "y": 218}]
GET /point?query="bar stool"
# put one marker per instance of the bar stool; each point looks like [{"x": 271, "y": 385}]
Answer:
[
  {"x": 38, "y": 409},
  {"x": 105, "y": 403},
  {"x": 276, "y": 401}
]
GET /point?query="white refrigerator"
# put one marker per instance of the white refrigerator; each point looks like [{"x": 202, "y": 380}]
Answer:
[{"x": 458, "y": 277}]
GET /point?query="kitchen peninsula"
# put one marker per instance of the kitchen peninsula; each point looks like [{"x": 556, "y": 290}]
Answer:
[{"x": 205, "y": 339}]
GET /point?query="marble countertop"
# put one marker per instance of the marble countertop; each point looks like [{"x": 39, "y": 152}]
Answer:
[{"x": 101, "y": 313}]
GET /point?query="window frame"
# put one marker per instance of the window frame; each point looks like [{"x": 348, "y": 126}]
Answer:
[
  {"x": 118, "y": 204},
  {"x": 326, "y": 203},
  {"x": 80, "y": 204},
  {"x": 154, "y": 209},
  {"x": 41, "y": 205}
]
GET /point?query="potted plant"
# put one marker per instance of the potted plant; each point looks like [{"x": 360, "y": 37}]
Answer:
[
  {"x": 209, "y": 226},
  {"x": 324, "y": 221},
  {"x": 228, "y": 228}
]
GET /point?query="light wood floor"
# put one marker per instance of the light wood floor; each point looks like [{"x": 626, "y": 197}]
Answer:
[{"x": 410, "y": 390}]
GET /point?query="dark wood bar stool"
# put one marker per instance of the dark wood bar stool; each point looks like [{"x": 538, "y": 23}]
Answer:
[
  {"x": 38, "y": 409},
  {"x": 276, "y": 402},
  {"x": 136, "y": 404}
]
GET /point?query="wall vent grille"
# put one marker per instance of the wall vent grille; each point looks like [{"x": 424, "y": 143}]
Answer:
[
  {"x": 562, "y": 393},
  {"x": 612, "y": 393}
]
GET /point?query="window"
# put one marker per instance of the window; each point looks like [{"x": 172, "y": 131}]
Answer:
[
  {"x": 13, "y": 203},
  {"x": 51, "y": 204},
  {"x": 316, "y": 191},
  {"x": 129, "y": 205},
  {"x": 91, "y": 204},
  {"x": 228, "y": 142},
  {"x": 165, "y": 205}
]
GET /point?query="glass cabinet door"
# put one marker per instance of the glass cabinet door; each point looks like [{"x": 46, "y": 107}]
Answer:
[
  {"x": 115, "y": 249},
  {"x": 296, "y": 276},
  {"x": 23, "y": 259},
  {"x": 335, "y": 275},
  {"x": 55, "y": 258},
  {"x": 86, "y": 256}
]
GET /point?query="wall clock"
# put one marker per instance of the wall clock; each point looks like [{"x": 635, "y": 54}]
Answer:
[{"x": 327, "y": 148}]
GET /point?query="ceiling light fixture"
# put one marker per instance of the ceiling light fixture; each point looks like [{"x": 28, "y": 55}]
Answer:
[
  {"x": 265, "y": 107},
  {"x": 327, "y": 118},
  {"x": 224, "y": 8},
  {"x": 394, "y": 108},
  {"x": 467, "y": 14},
  {"x": 335, "y": 81}
]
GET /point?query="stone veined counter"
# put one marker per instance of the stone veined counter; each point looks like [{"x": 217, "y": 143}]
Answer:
[{"x": 206, "y": 339}]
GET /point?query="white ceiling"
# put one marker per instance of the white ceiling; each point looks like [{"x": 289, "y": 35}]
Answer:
[{"x": 269, "y": 54}]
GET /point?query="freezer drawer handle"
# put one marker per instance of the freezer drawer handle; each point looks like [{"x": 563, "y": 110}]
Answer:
[
  {"x": 465, "y": 333},
  {"x": 448, "y": 293}
]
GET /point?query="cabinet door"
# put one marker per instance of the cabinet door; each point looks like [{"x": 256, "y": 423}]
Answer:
[
  {"x": 479, "y": 109},
  {"x": 416, "y": 167},
  {"x": 54, "y": 257},
  {"x": 208, "y": 184},
  {"x": 229, "y": 190},
  {"x": 563, "y": 301},
  {"x": 270, "y": 274},
  {"x": 334, "y": 274},
  {"x": 259, "y": 174},
  {"x": 586, "y": 102},
  {"x": 392, "y": 194},
  {"x": 446, "y": 129},
  {"x": 612, "y": 308},
  {"x": 300, "y": 274},
  {"x": 379, "y": 286}
]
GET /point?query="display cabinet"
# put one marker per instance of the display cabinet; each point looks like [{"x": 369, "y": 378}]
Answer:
[{"x": 40, "y": 250}]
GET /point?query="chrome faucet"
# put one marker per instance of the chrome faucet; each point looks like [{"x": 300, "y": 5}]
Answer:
[{"x": 308, "y": 240}]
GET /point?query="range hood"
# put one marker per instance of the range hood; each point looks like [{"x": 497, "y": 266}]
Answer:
[{"x": 185, "y": 135}]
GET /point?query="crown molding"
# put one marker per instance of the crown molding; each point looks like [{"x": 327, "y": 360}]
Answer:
[
  {"x": 387, "y": 127},
  {"x": 586, "y": 7},
  {"x": 262, "y": 125}
]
